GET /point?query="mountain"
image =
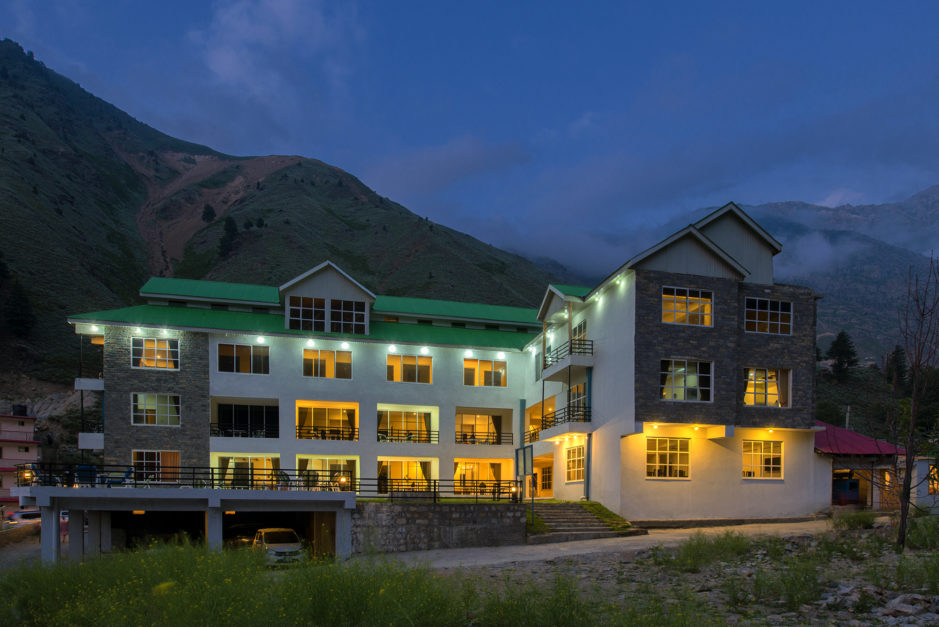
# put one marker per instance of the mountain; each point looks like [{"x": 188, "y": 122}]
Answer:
[{"x": 94, "y": 201}]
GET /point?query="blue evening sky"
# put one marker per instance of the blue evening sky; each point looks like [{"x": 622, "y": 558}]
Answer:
[{"x": 550, "y": 128}]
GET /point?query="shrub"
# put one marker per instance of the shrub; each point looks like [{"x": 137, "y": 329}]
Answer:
[
  {"x": 923, "y": 533},
  {"x": 859, "y": 519},
  {"x": 700, "y": 550}
]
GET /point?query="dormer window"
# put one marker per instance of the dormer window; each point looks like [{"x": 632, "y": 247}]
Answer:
[
  {"x": 307, "y": 314},
  {"x": 347, "y": 316}
]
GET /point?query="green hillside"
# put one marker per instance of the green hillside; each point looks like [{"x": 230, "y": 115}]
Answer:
[{"x": 94, "y": 202}]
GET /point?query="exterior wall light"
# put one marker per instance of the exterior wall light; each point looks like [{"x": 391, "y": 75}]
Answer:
[
  {"x": 655, "y": 426},
  {"x": 260, "y": 339},
  {"x": 94, "y": 328},
  {"x": 500, "y": 355},
  {"x": 138, "y": 330},
  {"x": 310, "y": 342},
  {"x": 424, "y": 350},
  {"x": 344, "y": 345},
  {"x": 468, "y": 353},
  {"x": 163, "y": 331},
  {"x": 697, "y": 428},
  {"x": 138, "y": 512},
  {"x": 770, "y": 430},
  {"x": 392, "y": 349}
]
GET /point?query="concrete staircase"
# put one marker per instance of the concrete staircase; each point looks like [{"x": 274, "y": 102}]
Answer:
[{"x": 569, "y": 521}]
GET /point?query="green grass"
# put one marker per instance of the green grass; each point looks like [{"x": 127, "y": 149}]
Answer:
[
  {"x": 702, "y": 550},
  {"x": 612, "y": 520},
  {"x": 859, "y": 519},
  {"x": 534, "y": 524},
  {"x": 923, "y": 532}
]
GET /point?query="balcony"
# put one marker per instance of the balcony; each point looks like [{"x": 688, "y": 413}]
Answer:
[
  {"x": 228, "y": 431},
  {"x": 18, "y": 436},
  {"x": 568, "y": 360},
  {"x": 483, "y": 437},
  {"x": 89, "y": 385},
  {"x": 406, "y": 435},
  {"x": 562, "y": 416},
  {"x": 327, "y": 433}
]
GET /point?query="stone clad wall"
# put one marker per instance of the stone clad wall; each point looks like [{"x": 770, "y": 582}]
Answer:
[{"x": 391, "y": 527}]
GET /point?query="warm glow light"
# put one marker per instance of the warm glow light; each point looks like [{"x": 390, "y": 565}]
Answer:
[
  {"x": 94, "y": 328},
  {"x": 500, "y": 355},
  {"x": 138, "y": 512},
  {"x": 138, "y": 330},
  {"x": 655, "y": 426},
  {"x": 310, "y": 342},
  {"x": 696, "y": 428},
  {"x": 230, "y": 512},
  {"x": 392, "y": 349},
  {"x": 468, "y": 353},
  {"x": 424, "y": 350},
  {"x": 344, "y": 345},
  {"x": 770, "y": 430},
  {"x": 260, "y": 339},
  {"x": 164, "y": 331}
]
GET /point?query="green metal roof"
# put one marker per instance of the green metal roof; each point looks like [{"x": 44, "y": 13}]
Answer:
[
  {"x": 453, "y": 309},
  {"x": 270, "y": 324},
  {"x": 572, "y": 290},
  {"x": 214, "y": 290}
]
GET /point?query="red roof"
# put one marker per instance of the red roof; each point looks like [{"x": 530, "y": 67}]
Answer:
[{"x": 841, "y": 441}]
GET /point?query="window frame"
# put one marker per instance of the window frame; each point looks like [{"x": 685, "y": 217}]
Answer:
[
  {"x": 932, "y": 480},
  {"x": 663, "y": 373},
  {"x": 756, "y": 322},
  {"x": 479, "y": 379},
  {"x": 668, "y": 465},
  {"x": 758, "y": 460},
  {"x": 574, "y": 471},
  {"x": 137, "y": 357},
  {"x": 357, "y": 322},
  {"x": 251, "y": 358},
  {"x": 417, "y": 368},
  {"x": 674, "y": 296},
  {"x": 317, "y": 324},
  {"x": 783, "y": 380},
  {"x": 335, "y": 362},
  {"x": 154, "y": 466},
  {"x": 134, "y": 403}
]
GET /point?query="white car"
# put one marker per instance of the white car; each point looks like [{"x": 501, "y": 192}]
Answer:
[{"x": 281, "y": 546}]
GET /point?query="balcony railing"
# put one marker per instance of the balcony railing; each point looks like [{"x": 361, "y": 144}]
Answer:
[
  {"x": 230, "y": 478},
  {"x": 484, "y": 437},
  {"x": 327, "y": 433},
  {"x": 233, "y": 432},
  {"x": 19, "y": 436},
  {"x": 408, "y": 435},
  {"x": 571, "y": 413},
  {"x": 573, "y": 347}
]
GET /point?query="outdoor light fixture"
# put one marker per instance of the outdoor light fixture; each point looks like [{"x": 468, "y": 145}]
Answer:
[
  {"x": 164, "y": 331},
  {"x": 500, "y": 355},
  {"x": 770, "y": 430},
  {"x": 424, "y": 350},
  {"x": 310, "y": 342},
  {"x": 468, "y": 353},
  {"x": 655, "y": 426},
  {"x": 392, "y": 349},
  {"x": 344, "y": 345},
  {"x": 260, "y": 339},
  {"x": 94, "y": 328},
  {"x": 138, "y": 512},
  {"x": 230, "y": 513},
  {"x": 696, "y": 428},
  {"x": 138, "y": 330}
]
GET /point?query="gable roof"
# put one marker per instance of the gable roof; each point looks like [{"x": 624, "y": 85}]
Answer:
[
  {"x": 320, "y": 268},
  {"x": 567, "y": 293},
  {"x": 400, "y": 305},
  {"x": 210, "y": 290},
  {"x": 732, "y": 207},
  {"x": 840, "y": 441},
  {"x": 692, "y": 232}
]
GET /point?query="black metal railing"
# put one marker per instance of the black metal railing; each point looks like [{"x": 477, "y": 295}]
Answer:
[
  {"x": 571, "y": 413},
  {"x": 484, "y": 437},
  {"x": 92, "y": 426},
  {"x": 151, "y": 475},
  {"x": 327, "y": 433},
  {"x": 573, "y": 347},
  {"x": 237, "y": 432},
  {"x": 532, "y": 435},
  {"x": 408, "y": 435}
]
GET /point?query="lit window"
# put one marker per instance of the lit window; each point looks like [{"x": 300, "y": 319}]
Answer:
[
  {"x": 410, "y": 369},
  {"x": 347, "y": 316},
  {"x": 575, "y": 463},
  {"x": 668, "y": 458},
  {"x": 480, "y": 429},
  {"x": 682, "y": 380},
  {"x": 148, "y": 352},
  {"x": 155, "y": 409},
  {"x": 405, "y": 426},
  {"x": 156, "y": 466},
  {"x": 681, "y": 305},
  {"x": 762, "y": 459},
  {"x": 327, "y": 472},
  {"x": 933, "y": 479},
  {"x": 762, "y": 315},
  {"x": 766, "y": 387},
  {"x": 307, "y": 314},
  {"x": 546, "y": 477},
  {"x": 244, "y": 358},
  {"x": 484, "y": 372},
  {"x": 327, "y": 364},
  {"x": 579, "y": 331},
  {"x": 323, "y": 420}
]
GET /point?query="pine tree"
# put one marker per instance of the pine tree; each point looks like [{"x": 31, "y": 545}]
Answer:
[
  {"x": 844, "y": 356},
  {"x": 227, "y": 243},
  {"x": 208, "y": 213},
  {"x": 896, "y": 369}
]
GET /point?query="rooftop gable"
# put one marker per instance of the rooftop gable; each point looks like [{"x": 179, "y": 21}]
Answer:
[
  {"x": 326, "y": 266},
  {"x": 565, "y": 293},
  {"x": 840, "y": 441},
  {"x": 692, "y": 233},
  {"x": 731, "y": 209},
  {"x": 192, "y": 289}
]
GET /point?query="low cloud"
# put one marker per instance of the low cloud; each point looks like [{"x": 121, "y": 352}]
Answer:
[{"x": 814, "y": 252}]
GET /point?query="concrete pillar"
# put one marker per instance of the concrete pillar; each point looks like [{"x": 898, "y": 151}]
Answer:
[
  {"x": 344, "y": 533},
  {"x": 76, "y": 534},
  {"x": 213, "y": 528},
  {"x": 93, "y": 544},
  {"x": 49, "y": 530},
  {"x": 105, "y": 532}
]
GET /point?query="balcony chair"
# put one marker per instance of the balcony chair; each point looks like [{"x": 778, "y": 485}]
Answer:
[{"x": 113, "y": 479}]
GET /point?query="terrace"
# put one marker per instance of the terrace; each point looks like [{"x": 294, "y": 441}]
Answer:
[{"x": 562, "y": 416}]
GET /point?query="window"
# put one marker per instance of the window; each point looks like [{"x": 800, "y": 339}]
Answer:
[
  {"x": 327, "y": 421},
  {"x": 683, "y": 380},
  {"x": 410, "y": 369},
  {"x": 246, "y": 421},
  {"x": 762, "y": 315},
  {"x": 575, "y": 463},
  {"x": 579, "y": 332},
  {"x": 331, "y": 472},
  {"x": 147, "y": 352},
  {"x": 479, "y": 477},
  {"x": 327, "y": 364},
  {"x": 347, "y": 316},
  {"x": 933, "y": 479},
  {"x": 484, "y": 372},
  {"x": 158, "y": 466},
  {"x": 480, "y": 429},
  {"x": 762, "y": 459},
  {"x": 307, "y": 314},
  {"x": 244, "y": 358},
  {"x": 577, "y": 397},
  {"x": 681, "y": 305},
  {"x": 155, "y": 409},
  {"x": 547, "y": 473},
  {"x": 405, "y": 426},
  {"x": 668, "y": 458},
  {"x": 766, "y": 387},
  {"x": 22, "y": 449}
]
